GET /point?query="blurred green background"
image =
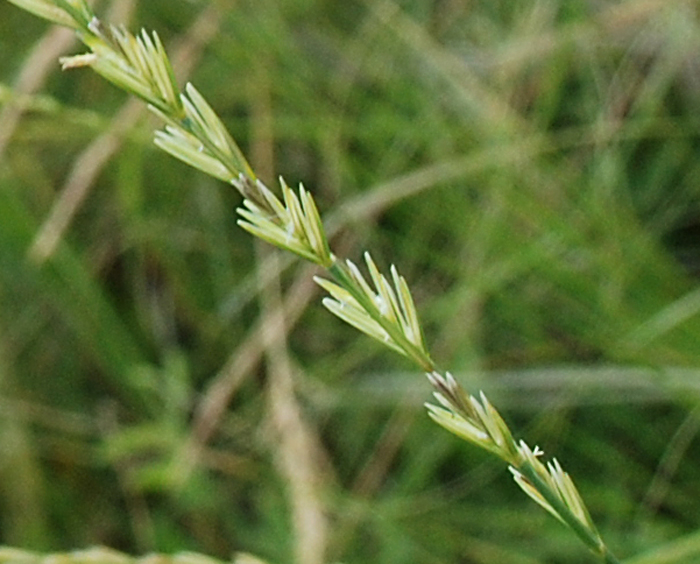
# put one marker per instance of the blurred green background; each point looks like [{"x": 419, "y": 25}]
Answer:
[{"x": 529, "y": 165}]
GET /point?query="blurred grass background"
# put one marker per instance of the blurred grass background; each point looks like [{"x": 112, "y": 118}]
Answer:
[{"x": 530, "y": 166}]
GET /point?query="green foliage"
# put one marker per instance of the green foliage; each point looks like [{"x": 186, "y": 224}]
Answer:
[{"x": 529, "y": 166}]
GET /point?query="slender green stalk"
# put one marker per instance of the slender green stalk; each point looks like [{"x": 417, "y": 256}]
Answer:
[{"x": 383, "y": 309}]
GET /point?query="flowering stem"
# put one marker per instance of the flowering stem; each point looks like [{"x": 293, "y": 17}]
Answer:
[
  {"x": 343, "y": 278},
  {"x": 195, "y": 135},
  {"x": 586, "y": 534}
]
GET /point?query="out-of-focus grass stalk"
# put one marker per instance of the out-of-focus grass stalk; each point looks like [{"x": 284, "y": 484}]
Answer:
[
  {"x": 103, "y": 555},
  {"x": 382, "y": 307}
]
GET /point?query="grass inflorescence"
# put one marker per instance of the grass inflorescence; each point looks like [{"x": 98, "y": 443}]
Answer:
[{"x": 572, "y": 245}]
